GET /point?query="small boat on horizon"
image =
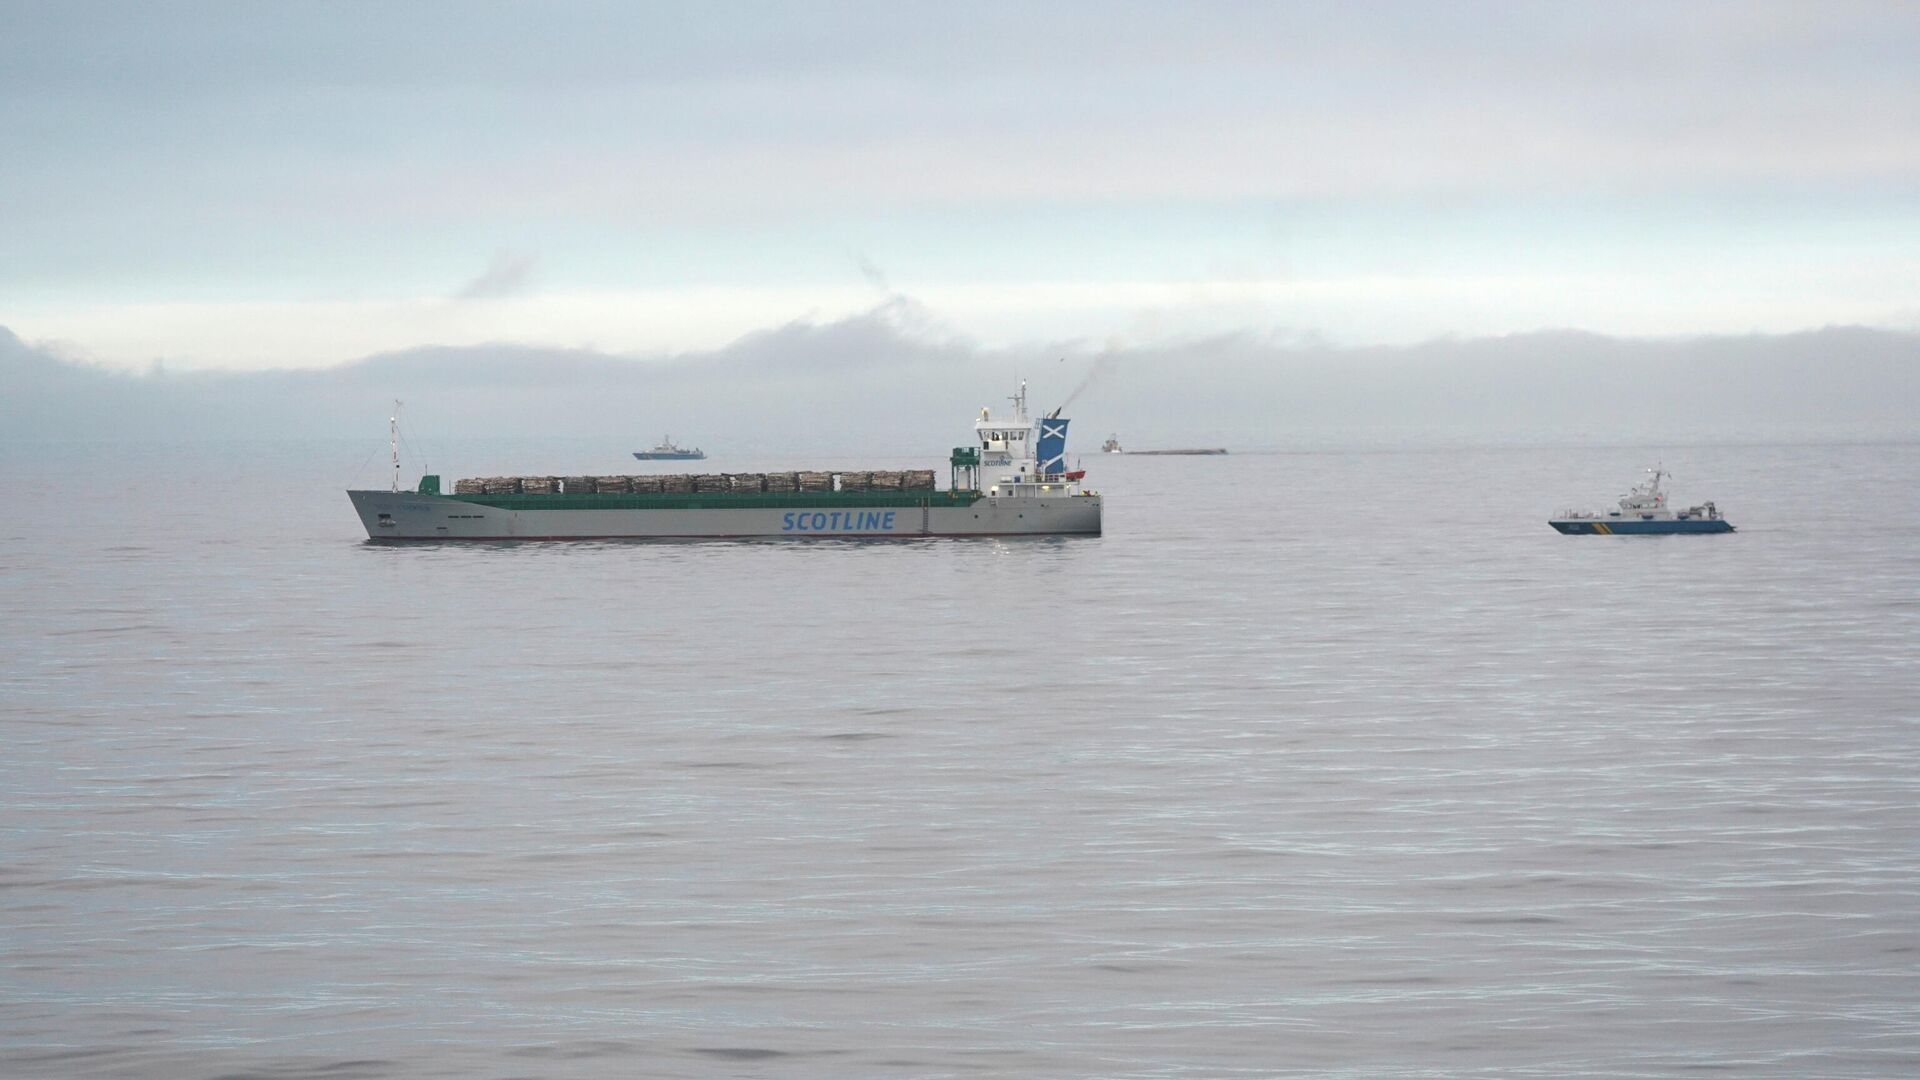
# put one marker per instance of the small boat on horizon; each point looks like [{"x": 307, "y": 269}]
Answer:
[{"x": 667, "y": 451}]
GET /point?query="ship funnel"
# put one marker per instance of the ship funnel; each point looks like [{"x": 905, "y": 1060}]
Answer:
[{"x": 1052, "y": 448}]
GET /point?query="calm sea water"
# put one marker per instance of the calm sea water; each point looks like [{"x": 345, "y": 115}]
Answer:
[{"x": 1320, "y": 763}]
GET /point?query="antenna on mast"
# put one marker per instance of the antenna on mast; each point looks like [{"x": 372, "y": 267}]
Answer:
[{"x": 393, "y": 440}]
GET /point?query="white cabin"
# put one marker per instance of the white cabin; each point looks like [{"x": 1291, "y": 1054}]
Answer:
[
  {"x": 1010, "y": 465},
  {"x": 1646, "y": 501}
]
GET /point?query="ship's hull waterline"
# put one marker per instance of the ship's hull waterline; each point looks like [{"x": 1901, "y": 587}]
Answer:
[
  {"x": 410, "y": 516},
  {"x": 1619, "y": 527}
]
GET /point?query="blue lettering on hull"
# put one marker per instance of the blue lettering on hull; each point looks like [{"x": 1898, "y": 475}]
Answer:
[{"x": 838, "y": 521}]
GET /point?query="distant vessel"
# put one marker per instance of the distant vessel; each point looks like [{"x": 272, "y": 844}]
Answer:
[
  {"x": 1643, "y": 511},
  {"x": 1012, "y": 481},
  {"x": 666, "y": 451},
  {"x": 1112, "y": 446}
]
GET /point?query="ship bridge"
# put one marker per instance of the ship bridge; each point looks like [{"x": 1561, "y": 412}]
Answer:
[{"x": 1013, "y": 456}]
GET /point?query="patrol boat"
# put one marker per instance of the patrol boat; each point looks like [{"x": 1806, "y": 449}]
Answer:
[
  {"x": 666, "y": 451},
  {"x": 1643, "y": 511},
  {"x": 1012, "y": 481}
]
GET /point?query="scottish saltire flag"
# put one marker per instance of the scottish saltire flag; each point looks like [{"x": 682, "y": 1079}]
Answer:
[{"x": 1053, "y": 446}]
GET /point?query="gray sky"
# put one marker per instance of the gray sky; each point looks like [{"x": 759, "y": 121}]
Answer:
[{"x": 275, "y": 185}]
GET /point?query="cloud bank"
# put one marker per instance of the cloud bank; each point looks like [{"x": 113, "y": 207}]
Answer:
[{"x": 887, "y": 381}]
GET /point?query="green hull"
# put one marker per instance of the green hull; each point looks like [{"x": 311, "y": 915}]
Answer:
[{"x": 726, "y": 500}]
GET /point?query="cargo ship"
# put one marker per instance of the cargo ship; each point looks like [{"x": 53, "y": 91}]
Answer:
[
  {"x": 1643, "y": 512},
  {"x": 666, "y": 451},
  {"x": 1011, "y": 481}
]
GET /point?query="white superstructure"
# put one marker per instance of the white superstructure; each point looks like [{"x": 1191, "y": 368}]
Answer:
[
  {"x": 1018, "y": 455},
  {"x": 1643, "y": 510}
]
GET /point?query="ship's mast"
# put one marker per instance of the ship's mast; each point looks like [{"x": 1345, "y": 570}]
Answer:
[{"x": 393, "y": 441}]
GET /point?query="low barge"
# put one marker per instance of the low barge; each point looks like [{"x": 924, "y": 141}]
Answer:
[{"x": 1112, "y": 446}]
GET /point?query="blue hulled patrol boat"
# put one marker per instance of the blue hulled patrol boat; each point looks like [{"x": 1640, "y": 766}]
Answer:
[{"x": 1643, "y": 511}]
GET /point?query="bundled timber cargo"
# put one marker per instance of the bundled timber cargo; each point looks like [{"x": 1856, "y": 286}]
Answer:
[{"x": 1011, "y": 481}]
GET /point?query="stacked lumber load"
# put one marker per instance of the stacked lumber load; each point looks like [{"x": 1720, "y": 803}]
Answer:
[{"x": 779, "y": 483}]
